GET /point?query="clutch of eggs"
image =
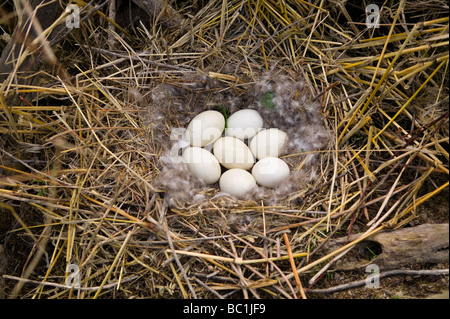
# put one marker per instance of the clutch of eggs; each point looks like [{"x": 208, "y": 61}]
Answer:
[{"x": 245, "y": 146}]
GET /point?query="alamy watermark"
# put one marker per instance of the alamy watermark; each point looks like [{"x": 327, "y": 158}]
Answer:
[
  {"x": 73, "y": 19},
  {"x": 372, "y": 16},
  {"x": 73, "y": 276},
  {"x": 373, "y": 279}
]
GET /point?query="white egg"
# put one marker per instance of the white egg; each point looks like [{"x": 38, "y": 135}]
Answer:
[
  {"x": 205, "y": 128},
  {"x": 233, "y": 153},
  {"x": 270, "y": 172},
  {"x": 202, "y": 164},
  {"x": 244, "y": 124},
  {"x": 237, "y": 182},
  {"x": 270, "y": 142}
]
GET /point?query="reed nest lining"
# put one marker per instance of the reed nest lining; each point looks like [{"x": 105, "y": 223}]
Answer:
[{"x": 86, "y": 126}]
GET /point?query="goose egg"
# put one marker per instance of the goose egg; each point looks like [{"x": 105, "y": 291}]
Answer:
[
  {"x": 270, "y": 142},
  {"x": 244, "y": 124},
  {"x": 270, "y": 172},
  {"x": 205, "y": 128},
  {"x": 233, "y": 153},
  {"x": 237, "y": 182},
  {"x": 202, "y": 164}
]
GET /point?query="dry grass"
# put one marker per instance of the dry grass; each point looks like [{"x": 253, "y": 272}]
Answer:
[{"x": 80, "y": 156}]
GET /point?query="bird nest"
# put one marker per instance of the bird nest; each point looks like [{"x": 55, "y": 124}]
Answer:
[{"x": 97, "y": 209}]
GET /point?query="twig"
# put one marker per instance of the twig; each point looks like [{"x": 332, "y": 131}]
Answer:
[
  {"x": 113, "y": 265},
  {"x": 285, "y": 278},
  {"x": 140, "y": 59},
  {"x": 174, "y": 254},
  {"x": 52, "y": 284},
  {"x": 238, "y": 260},
  {"x": 406, "y": 272},
  {"x": 201, "y": 283},
  {"x": 294, "y": 268},
  {"x": 325, "y": 90},
  {"x": 53, "y": 179},
  {"x": 112, "y": 15}
]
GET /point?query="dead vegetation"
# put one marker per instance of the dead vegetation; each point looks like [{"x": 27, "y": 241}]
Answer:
[{"x": 86, "y": 115}]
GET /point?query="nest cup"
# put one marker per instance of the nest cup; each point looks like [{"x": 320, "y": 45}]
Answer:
[{"x": 291, "y": 108}]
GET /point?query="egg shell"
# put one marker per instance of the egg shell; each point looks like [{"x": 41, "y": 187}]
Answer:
[
  {"x": 233, "y": 153},
  {"x": 237, "y": 182},
  {"x": 202, "y": 164},
  {"x": 244, "y": 124},
  {"x": 205, "y": 128},
  {"x": 270, "y": 172},
  {"x": 270, "y": 142}
]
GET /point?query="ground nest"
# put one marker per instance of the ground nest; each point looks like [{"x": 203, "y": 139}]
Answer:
[
  {"x": 92, "y": 206},
  {"x": 293, "y": 111}
]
